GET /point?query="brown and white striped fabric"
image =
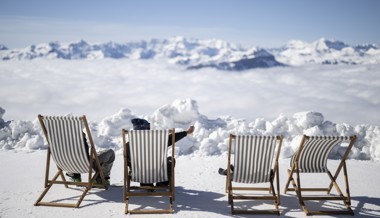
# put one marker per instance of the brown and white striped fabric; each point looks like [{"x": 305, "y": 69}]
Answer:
[
  {"x": 65, "y": 136},
  {"x": 253, "y": 158},
  {"x": 148, "y": 149},
  {"x": 315, "y": 151}
]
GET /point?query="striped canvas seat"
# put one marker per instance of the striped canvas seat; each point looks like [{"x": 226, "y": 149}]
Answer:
[
  {"x": 253, "y": 158},
  {"x": 65, "y": 136},
  {"x": 311, "y": 157},
  {"x": 147, "y": 164},
  {"x": 316, "y": 149},
  {"x": 255, "y": 161},
  {"x": 148, "y": 149},
  {"x": 67, "y": 148}
]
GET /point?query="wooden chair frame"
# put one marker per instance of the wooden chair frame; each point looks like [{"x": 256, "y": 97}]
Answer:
[
  {"x": 87, "y": 185},
  {"x": 254, "y": 192},
  {"x": 129, "y": 191},
  {"x": 296, "y": 183}
]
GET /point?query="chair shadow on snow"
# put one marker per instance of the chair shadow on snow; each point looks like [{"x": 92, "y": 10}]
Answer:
[
  {"x": 74, "y": 193},
  {"x": 290, "y": 203},
  {"x": 207, "y": 201},
  {"x": 359, "y": 204},
  {"x": 185, "y": 200},
  {"x": 113, "y": 194},
  {"x": 197, "y": 200},
  {"x": 194, "y": 200}
]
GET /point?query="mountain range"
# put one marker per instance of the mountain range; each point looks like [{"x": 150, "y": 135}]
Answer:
[{"x": 196, "y": 53}]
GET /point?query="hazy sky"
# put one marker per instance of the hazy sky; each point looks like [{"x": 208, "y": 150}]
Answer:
[{"x": 247, "y": 22}]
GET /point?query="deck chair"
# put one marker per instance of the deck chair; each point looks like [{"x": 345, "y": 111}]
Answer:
[
  {"x": 255, "y": 162},
  {"x": 64, "y": 135},
  {"x": 311, "y": 157},
  {"x": 148, "y": 151}
]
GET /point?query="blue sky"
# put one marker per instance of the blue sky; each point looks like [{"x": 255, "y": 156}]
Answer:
[{"x": 266, "y": 23}]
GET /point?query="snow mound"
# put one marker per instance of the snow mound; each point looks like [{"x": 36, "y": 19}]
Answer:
[
  {"x": 210, "y": 136},
  {"x": 20, "y": 135}
]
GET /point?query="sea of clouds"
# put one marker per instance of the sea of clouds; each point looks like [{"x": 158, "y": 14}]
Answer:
[
  {"x": 99, "y": 88},
  {"x": 210, "y": 136}
]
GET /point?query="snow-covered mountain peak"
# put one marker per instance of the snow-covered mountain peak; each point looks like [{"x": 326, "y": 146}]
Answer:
[
  {"x": 3, "y": 47},
  {"x": 326, "y": 45},
  {"x": 324, "y": 51},
  {"x": 258, "y": 52},
  {"x": 197, "y": 53}
]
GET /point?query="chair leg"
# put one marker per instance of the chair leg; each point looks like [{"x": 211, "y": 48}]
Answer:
[
  {"x": 126, "y": 204},
  {"x": 126, "y": 190},
  {"x": 49, "y": 185},
  {"x": 297, "y": 187},
  {"x": 229, "y": 192},
  {"x": 63, "y": 178},
  {"x": 230, "y": 197},
  {"x": 231, "y": 204},
  {"x": 82, "y": 197},
  {"x": 346, "y": 184},
  {"x": 290, "y": 179},
  {"x": 42, "y": 195},
  {"x": 278, "y": 186},
  {"x": 333, "y": 182},
  {"x": 254, "y": 196},
  {"x": 274, "y": 194},
  {"x": 171, "y": 199},
  {"x": 129, "y": 193},
  {"x": 346, "y": 200},
  {"x": 172, "y": 186}
]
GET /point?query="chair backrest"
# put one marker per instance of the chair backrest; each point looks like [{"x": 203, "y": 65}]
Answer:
[
  {"x": 253, "y": 160},
  {"x": 148, "y": 155},
  {"x": 66, "y": 142},
  {"x": 314, "y": 151}
]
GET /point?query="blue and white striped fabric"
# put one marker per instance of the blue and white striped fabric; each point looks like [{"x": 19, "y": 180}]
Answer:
[
  {"x": 65, "y": 136},
  {"x": 314, "y": 154},
  {"x": 148, "y": 149},
  {"x": 253, "y": 158}
]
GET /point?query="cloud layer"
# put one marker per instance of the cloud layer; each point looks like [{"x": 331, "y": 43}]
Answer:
[{"x": 98, "y": 88}]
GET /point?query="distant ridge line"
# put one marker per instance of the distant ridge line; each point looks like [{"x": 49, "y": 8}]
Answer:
[{"x": 196, "y": 53}]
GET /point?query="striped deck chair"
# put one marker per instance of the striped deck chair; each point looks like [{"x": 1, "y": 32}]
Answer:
[
  {"x": 255, "y": 161},
  {"x": 64, "y": 135},
  {"x": 148, "y": 151},
  {"x": 311, "y": 157}
]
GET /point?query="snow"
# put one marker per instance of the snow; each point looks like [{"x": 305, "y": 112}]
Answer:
[
  {"x": 210, "y": 136},
  {"x": 314, "y": 100},
  {"x": 325, "y": 51},
  {"x": 199, "y": 190}
]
